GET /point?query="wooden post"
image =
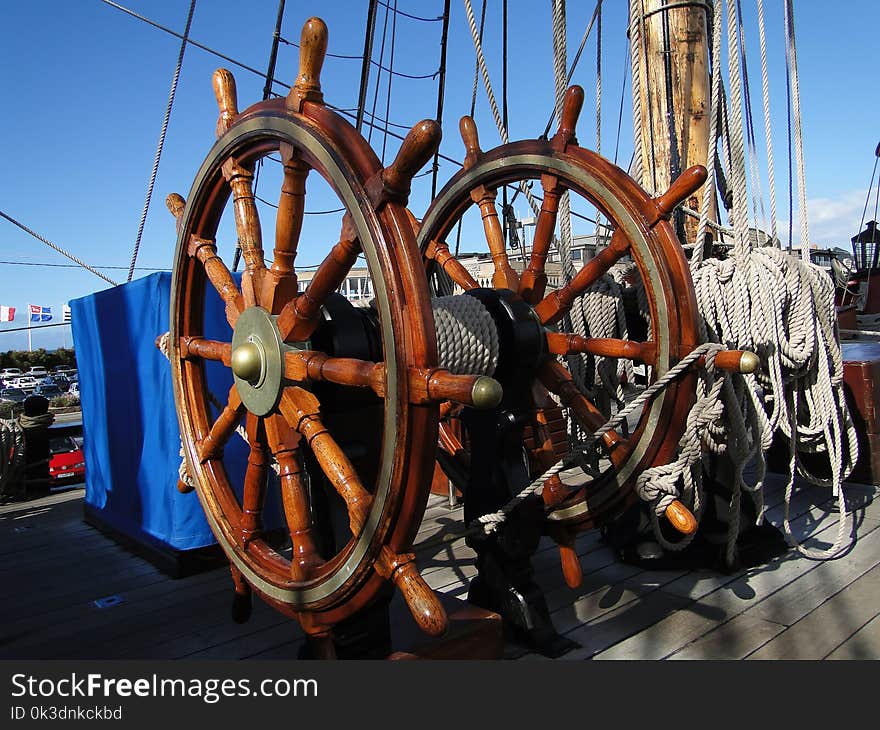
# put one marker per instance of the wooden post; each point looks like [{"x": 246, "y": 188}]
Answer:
[{"x": 674, "y": 67}]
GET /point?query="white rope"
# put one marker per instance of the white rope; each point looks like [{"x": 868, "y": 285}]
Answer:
[
  {"x": 763, "y": 300},
  {"x": 577, "y": 313},
  {"x": 709, "y": 187},
  {"x": 491, "y": 520},
  {"x": 736, "y": 141},
  {"x": 467, "y": 338},
  {"x": 635, "y": 59},
  {"x": 490, "y": 94},
  {"x": 768, "y": 132},
  {"x": 798, "y": 132}
]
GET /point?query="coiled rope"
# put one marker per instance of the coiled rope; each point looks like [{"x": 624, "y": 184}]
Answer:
[
  {"x": 467, "y": 338},
  {"x": 781, "y": 308}
]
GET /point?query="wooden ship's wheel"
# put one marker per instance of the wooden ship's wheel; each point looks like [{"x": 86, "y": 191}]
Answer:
[
  {"x": 531, "y": 324},
  {"x": 350, "y": 504}
]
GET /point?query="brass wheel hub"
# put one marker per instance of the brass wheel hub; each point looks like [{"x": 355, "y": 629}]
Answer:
[{"x": 258, "y": 360}]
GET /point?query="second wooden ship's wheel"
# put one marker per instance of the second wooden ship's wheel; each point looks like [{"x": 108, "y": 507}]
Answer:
[
  {"x": 341, "y": 403},
  {"x": 530, "y": 322}
]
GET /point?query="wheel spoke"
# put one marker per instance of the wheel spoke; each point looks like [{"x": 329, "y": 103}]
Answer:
[
  {"x": 504, "y": 276},
  {"x": 300, "y": 409},
  {"x": 191, "y": 347},
  {"x": 439, "y": 252},
  {"x": 299, "y": 317},
  {"x": 426, "y": 385},
  {"x": 211, "y": 447},
  {"x": 205, "y": 250},
  {"x": 240, "y": 179},
  {"x": 279, "y": 285},
  {"x": 567, "y": 344},
  {"x": 303, "y": 366},
  {"x": 534, "y": 278},
  {"x": 557, "y": 303},
  {"x": 558, "y": 380},
  {"x": 254, "y": 481},
  {"x": 284, "y": 444}
]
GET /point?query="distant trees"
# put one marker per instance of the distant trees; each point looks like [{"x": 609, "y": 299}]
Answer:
[{"x": 48, "y": 359}]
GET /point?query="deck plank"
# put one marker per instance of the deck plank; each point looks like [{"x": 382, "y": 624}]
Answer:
[
  {"x": 863, "y": 644},
  {"x": 730, "y": 598},
  {"x": 825, "y": 628},
  {"x": 745, "y": 633},
  {"x": 620, "y": 610}
]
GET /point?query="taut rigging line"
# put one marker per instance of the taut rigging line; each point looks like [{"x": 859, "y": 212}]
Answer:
[{"x": 58, "y": 249}]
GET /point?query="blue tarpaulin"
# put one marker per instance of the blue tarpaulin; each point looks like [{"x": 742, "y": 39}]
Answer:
[{"x": 132, "y": 440}]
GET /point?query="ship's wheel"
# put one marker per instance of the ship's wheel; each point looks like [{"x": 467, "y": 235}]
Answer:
[
  {"x": 352, "y": 487},
  {"x": 534, "y": 318}
]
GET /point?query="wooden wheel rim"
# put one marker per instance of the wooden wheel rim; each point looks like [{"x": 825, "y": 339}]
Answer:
[
  {"x": 658, "y": 257},
  {"x": 393, "y": 516}
]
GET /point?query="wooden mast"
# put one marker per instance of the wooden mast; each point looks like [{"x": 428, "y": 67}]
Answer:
[{"x": 675, "y": 91}]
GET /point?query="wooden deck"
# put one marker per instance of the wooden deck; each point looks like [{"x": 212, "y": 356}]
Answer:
[{"x": 55, "y": 567}]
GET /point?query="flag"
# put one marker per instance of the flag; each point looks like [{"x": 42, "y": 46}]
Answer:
[
  {"x": 65, "y": 312},
  {"x": 40, "y": 314},
  {"x": 7, "y": 314}
]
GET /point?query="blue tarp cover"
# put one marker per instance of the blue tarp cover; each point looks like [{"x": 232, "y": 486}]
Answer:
[{"x": 132, "y": 440}]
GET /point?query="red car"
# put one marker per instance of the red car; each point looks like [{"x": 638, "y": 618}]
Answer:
[{"x": 66, "y": 460}]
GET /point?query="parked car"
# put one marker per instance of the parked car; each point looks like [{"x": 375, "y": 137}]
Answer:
[
  {"x": 38, "y": 371},
  {"x": 73, "y": 388},
  {"x": 12, "y": 395},
  {"x": 26, "y": 382},
  {"x": 67, "y": 462},
  {"x": 61, "y": 380},
  {"x": 48, "y": 391},
  {"x": 8, "y": 376}
]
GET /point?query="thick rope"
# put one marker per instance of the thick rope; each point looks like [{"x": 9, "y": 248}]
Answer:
[
  {"x": 764, "y": 300},
  {"x": 467, "y": 338},
  {"x": 709, "y": 187},
  {"x": 490, "y": 94},
  {"x": 798, "y": 131},
  {"x": 165, "y": 120},
  {"x": 635, "y": 60},
  {"x": 768, "y": 133}
]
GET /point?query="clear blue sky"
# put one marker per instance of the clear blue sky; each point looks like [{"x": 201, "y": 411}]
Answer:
[{"x": 85, "y": 88}]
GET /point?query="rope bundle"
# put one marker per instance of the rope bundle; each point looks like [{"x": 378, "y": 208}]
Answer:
[
  {"x": 467, "y": 339},
  {"x": 783, "y": 309}
]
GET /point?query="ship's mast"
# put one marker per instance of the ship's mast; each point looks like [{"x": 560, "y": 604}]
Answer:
[{"x": 674, "y": 90}]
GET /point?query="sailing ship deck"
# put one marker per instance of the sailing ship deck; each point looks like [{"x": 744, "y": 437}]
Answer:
[{"x": 56, "y": 567}]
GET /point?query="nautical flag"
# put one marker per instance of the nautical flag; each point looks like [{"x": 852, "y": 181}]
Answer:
[
  {"x": 65, "y": 312},
  {"x": 40, "y": 314},
  {"x": 7, "y": 314}
]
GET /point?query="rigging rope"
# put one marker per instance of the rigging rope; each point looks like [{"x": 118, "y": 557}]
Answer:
[
  {"x": 768, "y": 132},
  {"x": 490, "y": 522},
  {"x": 791, "y": 56},
  {"x": 58, "y": 249},
  {"x": 165, "y": 120},
  {"x": 764, "y": 300}
]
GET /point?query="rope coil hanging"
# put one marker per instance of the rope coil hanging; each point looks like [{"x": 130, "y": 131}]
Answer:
[{"x": 780, "y": 307}]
